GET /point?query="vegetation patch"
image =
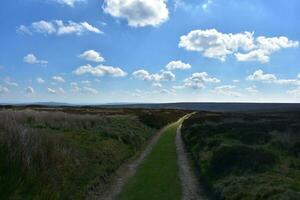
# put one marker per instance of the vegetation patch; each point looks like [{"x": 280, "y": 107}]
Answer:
[
  {"x": 69, "y": 153},
  {"x": 246, "y": 155}
]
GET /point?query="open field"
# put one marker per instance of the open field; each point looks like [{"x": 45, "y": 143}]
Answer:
[
  {"x": 54, "y": 153},
  {"x": 246, "y": 155}
]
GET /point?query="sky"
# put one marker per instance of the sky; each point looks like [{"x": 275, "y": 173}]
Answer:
[{"x": 105, "y": 51}]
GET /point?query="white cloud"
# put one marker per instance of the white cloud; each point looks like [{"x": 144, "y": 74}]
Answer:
[
  {"x": 236, "y": 81},
  {"x": 3, "y": 89},
  {"x": 29, "y": 90},
  {"x": 259, "y": 75},
  {"x": 295, "y": 92},
  {"x": 86, "y": 82},
  {"x": 10, "y": 82},
  {"x": 156, "y": 84},
  {"x": 157, "y": 77},
  {"x": 166, "y": 91},
  {"x": 32, "y": 59},
  {"x": 138, "y": 13},
  {"x": 58, "y": 79},
  {"x": 61, "y": 90},
  {"x": 84, "y": 90},
  {"x": 23, "y": 30},
  {"x": 251, "y": 89},
  {"x": 265, "y": 47},
  {"x": 227, "y": 90},
  {"x": 58, "y": 27},
  {"x": 74, "y": 87},
  {"x": 198, "y": 80},
  {"x": 43, "y": 27},
  {"x": 214, "y": 44},
  {"x": 92, "y": 55},
  {"x": 100, "y": 70},
  {"x": 40, "y": 80},
  {"x": 50, "y": 90},
  {"x": 259, "y": 55},
  {"x": 70, "y": 3},
  {"x": 177, "y": 65},
  {"x": 89, "y": 90},
  {"x": 206, "y": 4}
]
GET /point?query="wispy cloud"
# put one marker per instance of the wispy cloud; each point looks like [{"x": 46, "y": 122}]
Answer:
[{"x": 58, "y": 27}]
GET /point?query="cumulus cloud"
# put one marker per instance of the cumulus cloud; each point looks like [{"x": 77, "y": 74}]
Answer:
[
  {"x": 92, "y": 55},
  {"x": 40, "y": 80},
  {"x": 29, "y": 90},
  {"x": 138, "y": 13},
  {"x": 214, "y": 44},
  {"x": 100, "y": 70},
  {"x": 10, "y": 82},
  {"x": 227, "y": 90},
  {"x": 32, "y": 59},
  {"x": 58, "y": 79},
  {"x": 58, "y": 27},
  {"x": 3, "y": 90},
  {"x": 177, "y": 65},
  {"x": 70, "y": 3},
  {"x": 157, "y": 77},
  {"x": 259, "y": 75},
  {"x": 265, "y": 47},
  {"x": 198, "y": 80}
]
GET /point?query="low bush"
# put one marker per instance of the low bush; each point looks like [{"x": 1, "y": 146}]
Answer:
[
  {"x": 243, "y": 156},
  {"x": 240, "y": 159}
]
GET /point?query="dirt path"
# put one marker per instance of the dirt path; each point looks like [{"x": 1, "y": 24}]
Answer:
[
  {"x": 191, "y": 189},
  {"x": 127, "y": 170}
]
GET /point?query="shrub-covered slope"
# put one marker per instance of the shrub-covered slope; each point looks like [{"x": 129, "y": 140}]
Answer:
[
  {"x": 246, "y": 155},
  {"x": 68, "y": 154}
]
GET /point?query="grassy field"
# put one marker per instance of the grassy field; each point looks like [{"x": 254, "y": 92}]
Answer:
[
  {"x": 69, "y": 153},
  {"x": 157, "y": 178},
  {"x": 246, "y": 155}
]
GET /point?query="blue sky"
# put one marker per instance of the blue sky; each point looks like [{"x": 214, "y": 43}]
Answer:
[{"x": 100, "y": 51}]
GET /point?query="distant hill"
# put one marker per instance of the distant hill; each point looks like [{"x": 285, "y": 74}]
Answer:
[
  {"x": 208, "y": 106},
  {"x": 214, "y": 106}
]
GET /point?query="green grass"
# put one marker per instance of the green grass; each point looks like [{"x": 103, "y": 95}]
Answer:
[{"x": 157, "y": 178}]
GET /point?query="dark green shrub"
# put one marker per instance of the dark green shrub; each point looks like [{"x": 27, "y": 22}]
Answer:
[
  {"x": 240, "y": 159},
  {"x": 295, "y": 149},
  {"x": 255, "y": 138}
]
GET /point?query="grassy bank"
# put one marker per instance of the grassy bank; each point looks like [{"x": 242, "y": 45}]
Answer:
[
  {"x": 157, "y": 178},
  {"x": 68, "y": 153},
  {"x": 246, "y": 155}
]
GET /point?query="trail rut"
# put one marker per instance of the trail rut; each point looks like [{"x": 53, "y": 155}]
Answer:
[{"x": 191, "y": 189}]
